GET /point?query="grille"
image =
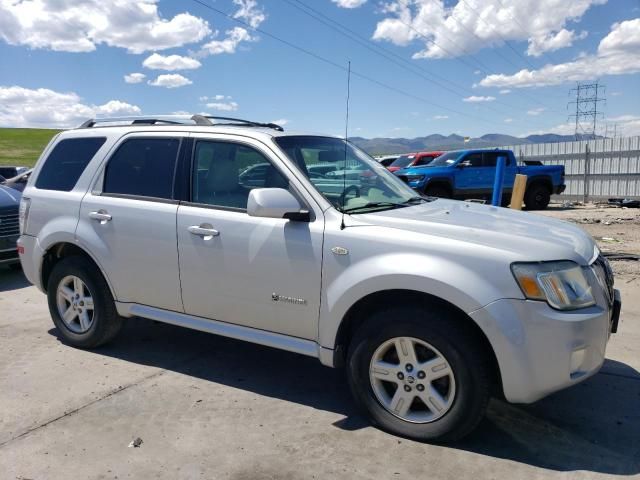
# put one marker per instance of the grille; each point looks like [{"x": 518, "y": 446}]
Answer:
[
  {"x": 9, "y": 225},
  {"x": 604, "y": 273}
]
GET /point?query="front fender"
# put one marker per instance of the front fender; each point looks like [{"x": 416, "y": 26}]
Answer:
[{"x": 437, "y": 276}]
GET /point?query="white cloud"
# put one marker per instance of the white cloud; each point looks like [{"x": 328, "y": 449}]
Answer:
[
  {"x": 281, "y": 121},
  {"x": 223, "y": 103},
  {"x": 551, "y": 42},
  {"x": 248, "y": 12},
  {"x": 478, "y": 99},
  {"x": 472, "y": 25},
  {"x": 223, "y": 106},
  {"x": 508, "y": 120},
  {"x": 536, "y": 111},
  {"x": 170, "y": 62},
  {"x": 134, "y": 77},
  {"x": 65, "y": 25},
  {"x": 170, "y": 80},
  {"x": 618, "y": 54},
  {"x": 24, "y": 107},
  {"x": 504, "y": 91},
  {"x": 349, "y": 3},
  {"x": 440, "y": 117},
  {"x": 234, "y": 37}
]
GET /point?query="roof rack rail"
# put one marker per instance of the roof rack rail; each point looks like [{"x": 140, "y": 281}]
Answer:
[
  {"x": 236, "y": 122},
  {"x": 138, "y": 120},
  {"x": 203, "y": 120}
]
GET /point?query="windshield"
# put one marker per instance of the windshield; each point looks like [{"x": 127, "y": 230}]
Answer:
[
  {"x": 403, "y": 161},
  {"x": 445, "y": 160},
  {"x": 358, "y": 183}
]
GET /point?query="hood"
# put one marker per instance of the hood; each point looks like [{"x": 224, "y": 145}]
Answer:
[
  {"x": 522, "y": 236},
  {"x": 9, "y": 196},
  {"x": 425, "y": 170}
]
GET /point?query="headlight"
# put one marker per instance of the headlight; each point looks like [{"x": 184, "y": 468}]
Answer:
[
  {"x": 414, "y": 178},
  {"x": 563, "y": 285}
]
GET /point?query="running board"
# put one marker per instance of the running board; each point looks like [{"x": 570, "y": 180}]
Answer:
[{"x": 253, "y": 335}]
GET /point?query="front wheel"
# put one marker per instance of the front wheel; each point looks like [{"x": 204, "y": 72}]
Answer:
[
  {"x": 437, "y": 191},
  {"x": 419, "y": 374}
]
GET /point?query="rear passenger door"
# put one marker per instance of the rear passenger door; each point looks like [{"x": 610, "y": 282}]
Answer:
[
  {"x": 491, "y": 160},
  {"x": 128, "y": 220}
]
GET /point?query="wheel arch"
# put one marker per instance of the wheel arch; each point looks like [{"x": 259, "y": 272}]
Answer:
[
  {"x": 540, "y": 180},
  {"x": 63, "y": 249},
  {"x": 445, "y": 182},
  {"x": 358, "y": 313}
]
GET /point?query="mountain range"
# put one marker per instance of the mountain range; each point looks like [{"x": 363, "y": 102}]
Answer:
[{"x": 383, "y": 146}]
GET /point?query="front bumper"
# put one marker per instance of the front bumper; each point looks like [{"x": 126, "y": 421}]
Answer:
[
  {"x": 8, "y": 250},
  {"x": 541, "y": 350}
]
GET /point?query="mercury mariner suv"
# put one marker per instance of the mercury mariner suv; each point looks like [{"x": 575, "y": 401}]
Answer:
[{"x": 432, "y": 305}]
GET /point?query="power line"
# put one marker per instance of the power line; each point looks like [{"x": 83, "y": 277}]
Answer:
[
  {"x": 337, "y": 65},
  {"x": 387, "y": 54},
  {"x": 586, "y": 103},
  {"x": 485, "y": 70}
]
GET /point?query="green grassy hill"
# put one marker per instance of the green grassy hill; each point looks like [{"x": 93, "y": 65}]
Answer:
[{"x": 22, "y": 146}]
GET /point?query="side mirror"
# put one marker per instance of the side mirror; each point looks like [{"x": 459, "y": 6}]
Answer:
[{"x": 275, "y": 203}]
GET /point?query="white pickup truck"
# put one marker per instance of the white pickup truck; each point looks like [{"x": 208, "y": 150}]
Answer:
[{"x": 432, "y": 305}]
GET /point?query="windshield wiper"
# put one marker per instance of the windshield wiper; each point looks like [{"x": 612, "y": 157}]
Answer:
[
  {"x": 374, "y": 205},
  {"x": 416, "y": 199}
]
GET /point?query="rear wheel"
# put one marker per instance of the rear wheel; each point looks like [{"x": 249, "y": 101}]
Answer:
[
  {"x": 537, "y": 197},
  {"x": 438, "y": 191},
  {"x": 81, "y": 304},
  {"x": 419, "y": 374}
]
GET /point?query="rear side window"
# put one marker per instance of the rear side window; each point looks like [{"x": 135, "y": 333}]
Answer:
[
  {"x": 143, "y": 167},
  {"x": 66, "y": 162},
  {"x": 491, "y": 159}
]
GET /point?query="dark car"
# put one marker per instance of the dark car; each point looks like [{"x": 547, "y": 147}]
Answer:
[
  {"x": 8, "y": 171},
  {"x": 19, "y": 182},
  {"x": 9, "y": 228}
]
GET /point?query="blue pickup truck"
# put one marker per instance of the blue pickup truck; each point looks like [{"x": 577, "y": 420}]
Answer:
[{"x": 465, "y": 174}]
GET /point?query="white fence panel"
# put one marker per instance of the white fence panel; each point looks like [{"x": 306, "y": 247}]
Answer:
[{"x": 608, "y": 167}]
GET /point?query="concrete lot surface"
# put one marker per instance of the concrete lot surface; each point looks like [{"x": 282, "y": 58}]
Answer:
[{"x": 210, "y": 407}]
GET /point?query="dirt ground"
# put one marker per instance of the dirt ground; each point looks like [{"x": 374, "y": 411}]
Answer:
[
  {"x": 615, "y": 229},
  {"x": 208, "y": 407}
]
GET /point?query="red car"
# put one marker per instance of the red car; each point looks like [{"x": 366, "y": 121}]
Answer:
[{"x": 413, "y": 160}]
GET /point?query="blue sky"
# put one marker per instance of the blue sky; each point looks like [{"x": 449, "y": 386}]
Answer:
[{"x": 498, "y": 65}]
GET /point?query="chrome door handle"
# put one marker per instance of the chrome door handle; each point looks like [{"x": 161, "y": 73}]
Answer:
[
  {"x": 102, "y": 216},
  {"x": 203, "y": 231}
]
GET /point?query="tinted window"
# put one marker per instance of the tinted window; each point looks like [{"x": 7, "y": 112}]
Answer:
[
  {"x": 143, "y": 167},
  {"x": 423, "y": 160},
  {"x": 403, "y": 161},
  {"x": 473, "y": 159},
  {"x": 227, "y": 172},
  {"x": 491, "y": 159},
  {"x": 66, "y": 162}
]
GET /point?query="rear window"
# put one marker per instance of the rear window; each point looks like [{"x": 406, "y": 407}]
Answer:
[
  {"x": 66, "y": 162},
  {"x": 143, "y": 167}
]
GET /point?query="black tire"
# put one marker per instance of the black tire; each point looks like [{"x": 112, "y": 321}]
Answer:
[
  {"x": 437, "y": 191},
  {"x": 453, "y": 340},
  {"x": 106, "y": 322},
  {"x": 537, "y": 197}
]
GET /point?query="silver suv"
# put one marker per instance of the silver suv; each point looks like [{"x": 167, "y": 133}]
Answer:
[{"x": 432, "y": 305}]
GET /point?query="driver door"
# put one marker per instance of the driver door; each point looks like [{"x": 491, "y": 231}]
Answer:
[{"x": 263, "y": 273}]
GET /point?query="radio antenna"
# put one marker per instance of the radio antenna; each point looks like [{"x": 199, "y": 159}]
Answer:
[{"x": 346, "y": 143}]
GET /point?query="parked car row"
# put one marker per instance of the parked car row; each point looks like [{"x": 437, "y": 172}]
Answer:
[
  {"x": 464, "y": 174},
  {"x": 15, "y": 177}
]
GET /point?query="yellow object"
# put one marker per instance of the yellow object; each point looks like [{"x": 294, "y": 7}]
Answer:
[{"x": 519, "y": 187}]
